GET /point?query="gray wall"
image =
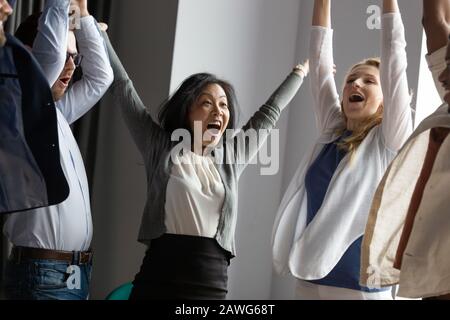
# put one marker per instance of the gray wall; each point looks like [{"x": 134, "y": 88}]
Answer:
[{"x": 253, "y": 44}]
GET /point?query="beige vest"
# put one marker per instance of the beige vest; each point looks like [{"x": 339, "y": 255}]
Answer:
[{"x": 426, "y": 262}]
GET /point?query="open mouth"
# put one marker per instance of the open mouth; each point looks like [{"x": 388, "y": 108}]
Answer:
[
  {"x": 356, "y": 97},
  {"x": 65, "y": 81},
  {"x": 217, "y": 125},
  {"x": 214, "y": 127}
]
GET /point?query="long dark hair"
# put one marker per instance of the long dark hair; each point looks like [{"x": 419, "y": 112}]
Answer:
[
  {"x": 174, "y": 111},
  {"x": 28, "y": 29}
]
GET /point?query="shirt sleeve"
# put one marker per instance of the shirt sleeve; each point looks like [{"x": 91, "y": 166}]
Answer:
[
  {"x": 397, "y": 115},
  {"x": 97, "y": 72},
  {"x": 327, "y": 106},
  {"x": 50, "y": 45},
  {"x": 146, "y": 133}
]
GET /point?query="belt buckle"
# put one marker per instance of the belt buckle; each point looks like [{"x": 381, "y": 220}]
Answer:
[
  {"x": 76, "y": 258},
  {"x": 89, "y": 257}
]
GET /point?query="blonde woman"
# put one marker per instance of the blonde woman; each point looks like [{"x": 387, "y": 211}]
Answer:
[{"x": 321, "y": 220}]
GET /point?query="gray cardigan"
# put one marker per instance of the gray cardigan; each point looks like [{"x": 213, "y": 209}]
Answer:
[{"x": 155, "y": 146}]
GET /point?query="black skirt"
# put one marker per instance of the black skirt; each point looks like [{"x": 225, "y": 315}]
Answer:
[{"x": 183, "y": 267}]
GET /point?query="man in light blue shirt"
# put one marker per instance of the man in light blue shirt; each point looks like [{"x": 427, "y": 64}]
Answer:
[{"x": 56, "y": 240}]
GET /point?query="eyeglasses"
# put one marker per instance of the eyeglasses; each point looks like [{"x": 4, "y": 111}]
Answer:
[{"x": 76, "y": 57}]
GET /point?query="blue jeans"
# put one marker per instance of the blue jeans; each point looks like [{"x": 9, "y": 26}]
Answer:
[{"x": 46, "y": 280}]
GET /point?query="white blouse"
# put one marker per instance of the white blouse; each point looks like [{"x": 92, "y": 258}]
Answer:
[{"x": 194, "y": 196}]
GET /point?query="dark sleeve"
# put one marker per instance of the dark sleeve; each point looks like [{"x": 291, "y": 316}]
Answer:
[{"x": 147, "y": 134}]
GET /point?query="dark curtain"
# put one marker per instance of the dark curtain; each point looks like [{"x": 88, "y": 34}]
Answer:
[
  {"x": 22, "y": 10},
  {"x": 85, "y": 129}
]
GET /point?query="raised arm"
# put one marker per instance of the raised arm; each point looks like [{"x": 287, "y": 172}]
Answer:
[
  {"x": 144, "y": 130},
  {"x": 397, "y": 116},
  {"x": 265, "y": 119},
  {"x": 325, "y": 96},
  {"x": 436, "y": 23},
  {"x": 322, "y": 13},
  {"x": 50, "y": 45},
  {"x": 390, "y": 6},
  {"x": 97, "y": 72}
]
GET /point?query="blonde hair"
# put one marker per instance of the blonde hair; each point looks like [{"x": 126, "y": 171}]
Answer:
[{"x": 352, "y": 142}]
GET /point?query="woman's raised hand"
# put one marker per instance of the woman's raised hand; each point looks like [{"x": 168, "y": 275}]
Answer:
[
  {"x": 302, "y": 69},
  {"x": 103, "y": 26}
]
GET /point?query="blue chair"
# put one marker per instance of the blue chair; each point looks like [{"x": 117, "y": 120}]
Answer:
[{"x": 121, "y": 293}]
